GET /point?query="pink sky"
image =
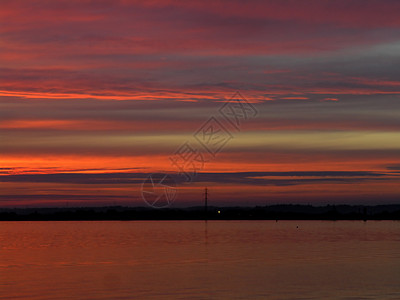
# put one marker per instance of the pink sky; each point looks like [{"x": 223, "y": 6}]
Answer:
[{"x": 97, "y": 95}]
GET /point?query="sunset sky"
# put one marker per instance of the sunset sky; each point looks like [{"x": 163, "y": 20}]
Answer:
[{"x": 97, "y": 95}]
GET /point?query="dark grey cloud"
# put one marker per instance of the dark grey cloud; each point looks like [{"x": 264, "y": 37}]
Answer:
[{"x": 276, "y": 178}]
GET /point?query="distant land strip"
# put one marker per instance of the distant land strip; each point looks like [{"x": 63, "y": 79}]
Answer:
[{"x": 272, "y": 212}]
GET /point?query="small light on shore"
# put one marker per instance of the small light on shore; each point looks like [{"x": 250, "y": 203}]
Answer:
[{"x": 219, "y": 211}]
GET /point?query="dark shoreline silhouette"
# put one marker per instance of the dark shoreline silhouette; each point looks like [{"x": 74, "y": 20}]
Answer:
[{"x": 272, "y": 212}]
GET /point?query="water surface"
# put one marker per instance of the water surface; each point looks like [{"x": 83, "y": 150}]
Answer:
[{"x": 198, "y": 260}]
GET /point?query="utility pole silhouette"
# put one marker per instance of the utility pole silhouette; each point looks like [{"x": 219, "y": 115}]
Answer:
[{"x": 205, "y": 203}]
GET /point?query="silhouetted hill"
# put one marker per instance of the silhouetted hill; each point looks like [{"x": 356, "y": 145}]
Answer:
[{"x": 273, "y": 212}]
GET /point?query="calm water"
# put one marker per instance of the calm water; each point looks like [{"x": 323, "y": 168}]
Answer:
[{"x": 191, "y": 259}]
